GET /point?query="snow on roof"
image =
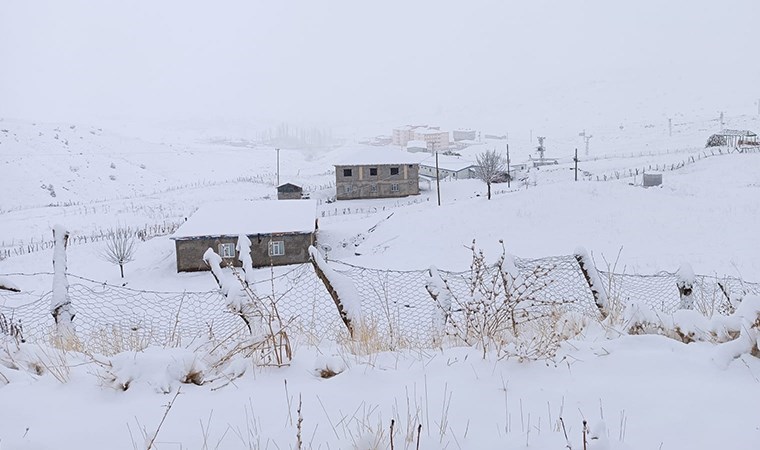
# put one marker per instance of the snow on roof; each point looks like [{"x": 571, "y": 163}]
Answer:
[
  {"x": 290, "y": 183},
  {"x": 232, "y": 218},
  {"x": 736, "y": 133},
  {"x": 430, "y": 131},
  {"x": 415, "y": 143},
  {"x": 365, "y": 156},
  {"x": 446, "y": 162}
]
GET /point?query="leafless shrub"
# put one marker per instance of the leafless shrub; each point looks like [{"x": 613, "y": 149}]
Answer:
[
  {"x": 502, "y": 310},
  {"x": 11, "y": 328},
  {"x": 119, "y": 249}
]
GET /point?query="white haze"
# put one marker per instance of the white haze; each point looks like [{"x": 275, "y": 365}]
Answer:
[{"x": 371, "y": 64}]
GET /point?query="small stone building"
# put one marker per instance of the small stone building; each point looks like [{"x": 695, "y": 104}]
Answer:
[
  {"x": 377, "y": 174},
  {"x": 280, "y": 233},
  {"x": 289, "y": 191}
]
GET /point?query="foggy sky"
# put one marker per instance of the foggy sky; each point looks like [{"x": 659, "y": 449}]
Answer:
[{"x": 361, "y": 61}]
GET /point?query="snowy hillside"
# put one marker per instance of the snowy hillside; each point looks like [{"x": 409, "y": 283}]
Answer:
[{"x": 630, "y": 389}]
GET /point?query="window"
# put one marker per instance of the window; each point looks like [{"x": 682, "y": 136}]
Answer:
[
  {"x": 373, "y": 188},
  {"x": 348, "y": 189},
  {"x": 276, "y": 248},
  {"x": 373, "y": 171},
  {"x": 394, "y": 170},
  {"x": 227, "y": 250},
  {"x": 347, "y": 172},
  {"x": 394, "y": 187}
]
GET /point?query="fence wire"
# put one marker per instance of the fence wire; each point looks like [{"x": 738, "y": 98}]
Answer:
[{"x": 396, "y": 303}]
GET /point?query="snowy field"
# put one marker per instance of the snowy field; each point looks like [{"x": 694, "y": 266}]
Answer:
[{"x": 636, "y": 392}]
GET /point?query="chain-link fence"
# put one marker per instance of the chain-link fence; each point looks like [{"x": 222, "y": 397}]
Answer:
[{"x": 396, "y": 303}]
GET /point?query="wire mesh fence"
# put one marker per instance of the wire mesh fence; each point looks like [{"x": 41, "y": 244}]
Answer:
[{"x": 396, "y": 303}]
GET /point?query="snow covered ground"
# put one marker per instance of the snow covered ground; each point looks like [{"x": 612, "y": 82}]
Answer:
[{"x": 649, "y": 391}]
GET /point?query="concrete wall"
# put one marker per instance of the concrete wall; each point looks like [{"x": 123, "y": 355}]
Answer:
[
  {"x": 364, "y": 185},
  {"x": 289, "y": 195},
  {"x": 189, "y": 252}
]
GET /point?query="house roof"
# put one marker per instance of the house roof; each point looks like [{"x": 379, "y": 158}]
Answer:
[
  {"x": 430, "y": 131},
  {"x": 367, "y": 156},
  {"x": 289, "y": 184},
  {"x": 232, "y": 218},
  {"x": 446, "y": 162}
]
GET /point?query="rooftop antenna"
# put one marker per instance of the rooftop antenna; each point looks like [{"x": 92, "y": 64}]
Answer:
[
  {"x": 586, "y": 137},
  {"x": 541, "y": 149}
]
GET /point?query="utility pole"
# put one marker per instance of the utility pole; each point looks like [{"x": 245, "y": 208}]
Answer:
[
  {"x": 437, "y": 176},
  {"x": 576, "y": 164},
  {"x": 509, "y": 172},
  {"x": 721, "y": 119},
  {"x": 278, "y": 166},
  {"x": 586, "y": 137},
  {"x": 541, "y": 149},
  {"x": 670, "y": 127}
]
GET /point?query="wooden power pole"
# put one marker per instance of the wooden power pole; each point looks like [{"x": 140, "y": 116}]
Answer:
[
  {"x": 437, "y": 177},
  {"x": 576, "y": 164},
  {"x": 509, "y": 173},
  {"x": 278, "y": 166}
]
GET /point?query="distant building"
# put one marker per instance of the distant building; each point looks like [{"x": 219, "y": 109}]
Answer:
[
  {"x": 377, "y": 174},
  {"x": 416, "y": 146},
  {"x": 280, "y": 233},
  {"x": 450, "y": 167},
  {"x": 402, "y": 135},
  {"x": 461, "y": 145},
  {"x": 464, "y": 135},
  {"x": 435, "y": 139},
  {"x": 289, "y": 191}
]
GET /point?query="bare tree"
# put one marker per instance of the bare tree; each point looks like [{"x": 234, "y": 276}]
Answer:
[
  {"x": 120, "y": 249},
  {"x": 489, "y": 166}
]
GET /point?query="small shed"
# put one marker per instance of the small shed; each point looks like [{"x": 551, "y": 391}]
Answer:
[
  {"x": 280, "y": 233},
  {"x": 733, "y": 138},
  {"x": 289, "y": 191},
  {"x": 652, "y": 179}
]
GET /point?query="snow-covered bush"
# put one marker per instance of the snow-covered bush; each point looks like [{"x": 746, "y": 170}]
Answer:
[
  {"x": 716, "y": 140},
  {"x": 502, "y": 310},
  {"x": 685, "y": 284},
  {"x": 736, "y": 333}
]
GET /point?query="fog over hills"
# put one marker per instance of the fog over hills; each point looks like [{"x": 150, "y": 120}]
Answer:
[{"x": 504, "y": 65}]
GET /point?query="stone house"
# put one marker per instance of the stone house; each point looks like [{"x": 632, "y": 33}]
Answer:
[
  {"x": 280, "y": 233},
  {"x": 377, "y": 174}
]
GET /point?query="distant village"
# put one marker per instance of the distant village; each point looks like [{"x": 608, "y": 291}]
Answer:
[{"x": 281, "y": 232}]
